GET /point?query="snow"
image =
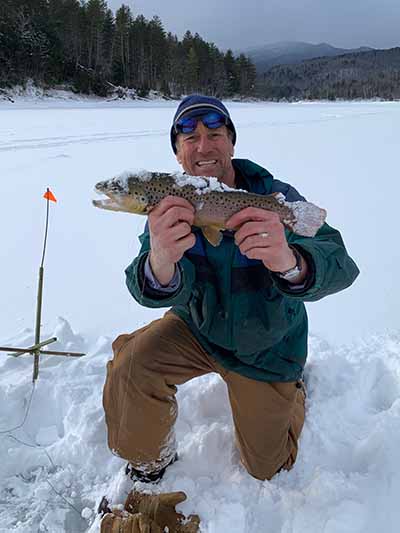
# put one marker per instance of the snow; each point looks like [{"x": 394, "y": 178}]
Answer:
[
  {"x": 140, "y": 174},
  {"x": 202, "y": 184},
  {"x": 56, "y": 466}
]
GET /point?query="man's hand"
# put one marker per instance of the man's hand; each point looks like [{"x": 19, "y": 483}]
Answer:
[
  {"x": 170, "y": 235},
  {"x": 261, "y": 235}
]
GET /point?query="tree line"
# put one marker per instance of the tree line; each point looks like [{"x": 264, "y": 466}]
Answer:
[
  {"x": 362, "y": 75},
  {"x": 83, "y": 44}
]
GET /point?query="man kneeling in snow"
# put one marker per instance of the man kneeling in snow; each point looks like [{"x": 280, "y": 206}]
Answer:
[{"x": 236, "y": 309}]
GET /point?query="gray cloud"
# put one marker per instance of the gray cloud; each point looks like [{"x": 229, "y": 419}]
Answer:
[{"x": 236, "y": 24}]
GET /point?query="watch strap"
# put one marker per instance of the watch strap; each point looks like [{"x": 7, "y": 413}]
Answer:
[{"x": 294, "y": 271}]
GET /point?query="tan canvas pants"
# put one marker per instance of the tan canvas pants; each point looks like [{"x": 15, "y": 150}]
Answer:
[{"x": 141, "y": 409}]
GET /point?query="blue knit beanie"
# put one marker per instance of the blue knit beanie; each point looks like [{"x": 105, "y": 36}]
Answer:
[{"x": 197, "y": 105}]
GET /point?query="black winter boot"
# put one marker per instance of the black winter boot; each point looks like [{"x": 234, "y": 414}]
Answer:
[{"x": 152, "y": 477}]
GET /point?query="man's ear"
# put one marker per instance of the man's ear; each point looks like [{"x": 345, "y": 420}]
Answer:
[
  {"x": 177, "y": 155},
  {"x": 232, "y": 150}
]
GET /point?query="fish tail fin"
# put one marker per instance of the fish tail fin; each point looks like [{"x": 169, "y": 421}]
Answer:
[{"x": 308, "y": 218}]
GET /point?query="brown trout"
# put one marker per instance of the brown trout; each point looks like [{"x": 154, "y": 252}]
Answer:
[{"x": 214, "y": 202}]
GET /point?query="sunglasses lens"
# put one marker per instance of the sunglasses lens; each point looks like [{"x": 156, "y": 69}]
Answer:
[
  {"x": 186, "y": 125},
  {"x": 210, "y": 120},
  {"x": 213, "y": 120}
]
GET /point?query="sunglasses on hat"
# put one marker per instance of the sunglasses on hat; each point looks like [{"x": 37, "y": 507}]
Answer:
[{"x": 212, "y": 121}]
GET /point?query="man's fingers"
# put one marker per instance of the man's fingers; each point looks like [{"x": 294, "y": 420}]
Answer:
[
  {"x": 250, "y": 214},
  {"x": 173, "y": 215},
  {"x": 186, "y": 242},
  {"x": 248, "y": 229},
  {"x": 255, "y": 241},
  {"x": 258, "y": 253},
  {"x": 177, "y": 214},
  {"x": 171, "y": 201},
  {"x": 180, "y": 230}
]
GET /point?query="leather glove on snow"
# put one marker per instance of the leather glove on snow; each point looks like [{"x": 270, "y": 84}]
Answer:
[
  {"x": 159, "y": 507},
  {"x": 121, "y": 522},
  {"x": 192, "y": 526}
]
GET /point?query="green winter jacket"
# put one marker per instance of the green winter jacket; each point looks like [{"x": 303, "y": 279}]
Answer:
[{"x": 250, "y": 320}]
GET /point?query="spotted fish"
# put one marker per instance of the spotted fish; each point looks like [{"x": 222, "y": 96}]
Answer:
[{"x": 214, "y": 202}]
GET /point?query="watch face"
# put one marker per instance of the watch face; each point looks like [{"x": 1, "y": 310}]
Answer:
[{"x": 290, "y": 274}]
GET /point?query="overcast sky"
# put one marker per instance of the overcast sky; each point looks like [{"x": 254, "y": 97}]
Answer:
[{"x": 243, "y": 23}]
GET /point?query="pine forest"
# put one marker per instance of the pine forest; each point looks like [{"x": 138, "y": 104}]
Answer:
[{"x": 85, "y": 46}]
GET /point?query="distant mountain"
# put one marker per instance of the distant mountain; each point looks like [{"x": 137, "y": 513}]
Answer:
[
  {"x": 367, "y": 75},
  {"x": 293, "y": 52}
]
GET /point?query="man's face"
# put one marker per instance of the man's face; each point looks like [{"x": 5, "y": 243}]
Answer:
[{"x": 206, "y": 152}]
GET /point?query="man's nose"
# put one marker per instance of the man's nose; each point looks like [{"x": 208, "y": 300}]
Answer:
[{"x": 204, "y": 144}]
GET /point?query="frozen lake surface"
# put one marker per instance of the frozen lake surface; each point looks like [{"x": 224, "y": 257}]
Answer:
[{"x": 342, "y": 156}]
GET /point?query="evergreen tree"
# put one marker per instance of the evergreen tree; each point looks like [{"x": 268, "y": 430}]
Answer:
[
  {"x": 247, "y": 75},
  {"x": 140, "y": 59},
  {"x": 108, "y": 36},
  {"x": 96, "y": 14},
  {"x": 121, "y": 59},
  {"x": 192, "y": 72},
  {"x": 233, "y": 82},
  {"x": 64, "y": 28},
  {"x": 219, "y": 80},
  {"x": 10, "y": 44},
  {"x": 175, "y": 60},
  {"x": 157, "y": 49}
]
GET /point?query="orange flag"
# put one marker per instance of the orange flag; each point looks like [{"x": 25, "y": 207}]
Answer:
[{"x": 48, "y": 195}]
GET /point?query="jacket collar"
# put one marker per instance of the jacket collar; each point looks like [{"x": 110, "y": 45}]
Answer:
[{"x": 256, "y": 178}]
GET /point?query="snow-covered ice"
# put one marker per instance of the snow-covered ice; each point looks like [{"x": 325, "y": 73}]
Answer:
[{"x": 56, "y": 467}]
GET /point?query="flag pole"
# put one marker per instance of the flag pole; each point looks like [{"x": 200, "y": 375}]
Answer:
[
  {"x": 37, "y": 327},
  {"x": 40, "y": 295},
  {"x": 36, "y": 350}
]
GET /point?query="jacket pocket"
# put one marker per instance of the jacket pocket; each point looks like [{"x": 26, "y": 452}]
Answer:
[{"x": 202, "y": 308}]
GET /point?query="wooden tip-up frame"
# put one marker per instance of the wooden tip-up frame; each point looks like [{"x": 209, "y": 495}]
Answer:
[{"x": 36, "y": 350}]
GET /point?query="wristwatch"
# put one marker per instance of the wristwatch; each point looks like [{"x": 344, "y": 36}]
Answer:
[{"x": 293, "y": 272}]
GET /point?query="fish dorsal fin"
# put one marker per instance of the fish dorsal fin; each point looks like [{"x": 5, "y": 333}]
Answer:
[{"x": 213, "y": 234}]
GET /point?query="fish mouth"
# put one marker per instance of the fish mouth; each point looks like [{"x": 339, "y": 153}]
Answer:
[
  {"x": 108, "y": 200},
  {"x": 101, "y": 190},
  {"x": 107, "y": 203},
  {"x": 113, "y": 199}
]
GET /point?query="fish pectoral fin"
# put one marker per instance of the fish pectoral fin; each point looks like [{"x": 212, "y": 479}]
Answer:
[{"x": 213, "y": 234}]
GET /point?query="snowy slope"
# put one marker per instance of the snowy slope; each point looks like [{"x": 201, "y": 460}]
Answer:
[
  {"x": 345, "y": 480},
  {"x": 56, "y": 467}
]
